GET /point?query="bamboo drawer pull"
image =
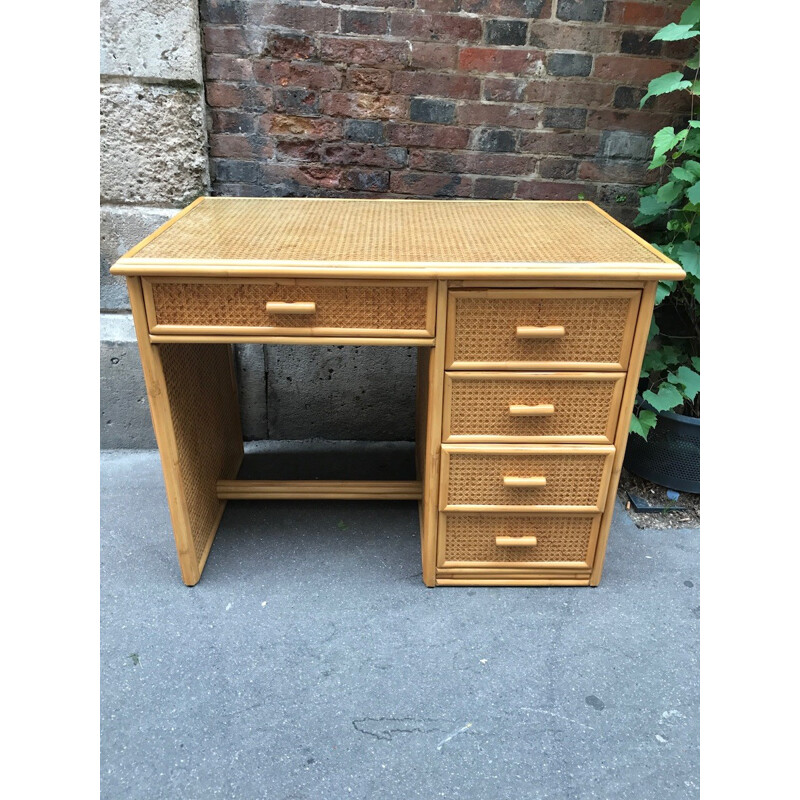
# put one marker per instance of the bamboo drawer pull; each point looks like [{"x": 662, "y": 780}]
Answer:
[
  {"x": 542, "y": 410},
  {"x": 515, "y": 541},
  {"x": 548, "y": 332},
  {"x": 510, "y": 480},
  {"x": 291, "y": 308}
]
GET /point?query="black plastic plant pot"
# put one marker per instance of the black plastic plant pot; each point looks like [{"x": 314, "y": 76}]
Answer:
[{"x": 671, "y": 455}]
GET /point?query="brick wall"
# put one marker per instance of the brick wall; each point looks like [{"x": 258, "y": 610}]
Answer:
[{"x": 528, "y": 99}]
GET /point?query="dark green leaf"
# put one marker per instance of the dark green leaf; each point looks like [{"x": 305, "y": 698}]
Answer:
[
  {"x": 695, "y": 88},
  {"x": 682, "y": 174},
  {"x": 688, "y": 378},
  {"x": 692, "y": 166},
  {"x": 664, "y": 289},
  {"x": 694, "y": 123},
  {"x": 693, "y": 193},
  {"x": 688, "y": 254},
  {"x": 694, "y": 62},
  {"x": 643, "y": 423},
  {"x": 692, "y": 14},
  {"x": 669, "y": 193},
  {"x": 674, "y": 33},
  {"x": 653, "y": 362},
  {"x": 696, "y": 362}
]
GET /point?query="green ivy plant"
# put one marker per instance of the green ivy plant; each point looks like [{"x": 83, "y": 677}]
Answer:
[{"x": 672, "y": 361}]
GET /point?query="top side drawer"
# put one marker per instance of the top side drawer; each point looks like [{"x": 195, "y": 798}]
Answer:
[
  {"x": 541, "y": 328},
  {"x": 294, "y": 308}
]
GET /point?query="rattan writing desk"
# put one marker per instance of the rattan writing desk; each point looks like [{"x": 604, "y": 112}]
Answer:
[{"x": 530, "y": 319}]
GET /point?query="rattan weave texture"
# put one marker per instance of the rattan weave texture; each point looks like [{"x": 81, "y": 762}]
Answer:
[
  {"x": 244, "y": 305},
  {"x": 572, "y": 479},
  {"x": 387, "y": 231},
  {"x": 480, "y": 407},
  {"x": 595, "y": 326},
  {"x": 205, "y": 421},
  {"x": 471, "y": 537}
]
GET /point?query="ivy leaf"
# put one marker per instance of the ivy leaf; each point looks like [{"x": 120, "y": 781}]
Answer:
[
  {"x": 692, "y": 166},
  {"x": 696, "y": 362},
  {"x": 688, "y": 254},
  {"x": 694, "y": 62},
  {"x": 675, "y": 32},
  {"x": 667, "y": 398},
  {"x": 654, "y": 329},
  {"x": 694, "y": 123},
  {"x": 693, "y": 193},
  {"x": 664, "y": 289},
  {"x": 643, "y": 423},
  {"x": 669, "y": 193},
  {"x": 682, "y": 174},
  {"x": 689, "y": 379},
  {"x": 671, "y": 82},
  {"x": 653, "y": 362},
  {"x": 695, "y": 88},
  {"x": 672, "y": 356},
  {"x": 650, "y": 208},
  {"x": 692, "y": 14},
  {"x": 666, "y": 139}
]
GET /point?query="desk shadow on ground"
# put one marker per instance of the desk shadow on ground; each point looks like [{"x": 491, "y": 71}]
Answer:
[{"x": 320, "y": 539}]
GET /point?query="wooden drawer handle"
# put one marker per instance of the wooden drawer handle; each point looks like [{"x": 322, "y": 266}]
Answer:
[
  {"x": 511, "y": 480},
  {"x": 542, "y": 410},
  {"x": 291, "y": 308},
  {"x": 515, "y": 541},
  {"x": 549, "y": 332}
]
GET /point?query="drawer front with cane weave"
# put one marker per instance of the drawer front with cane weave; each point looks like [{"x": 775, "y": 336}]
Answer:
[
  {"x": 541, "y": 328},
  {"x": 323, "y": 308},
  {"x": 513, "y": 541},
  {"x": 531, "y": 407},
  {"x": 524, "y": 478}
]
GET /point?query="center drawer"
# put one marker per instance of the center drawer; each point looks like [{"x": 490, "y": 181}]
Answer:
[
  {"x": 540, "y": 328},
  {"x": 525, "y": 478},
  {"x": 290, "y": 307}
]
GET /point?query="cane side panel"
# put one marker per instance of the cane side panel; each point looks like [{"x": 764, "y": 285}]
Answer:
[
  {"x": 187, "y": 306},
  {"x": 598, "y": 326},
  {"x": 585, "y": 408},
  {"x": 205, "y": 420},
  {"x": 469, "y": 540},
  {"x": 573, "y": 480}
]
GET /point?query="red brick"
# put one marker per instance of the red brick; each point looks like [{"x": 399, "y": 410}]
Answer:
[
  {"x": 509, "y": 90},
  {"x": 368, "y": 80},
  {"x": 307, "y": 127},
  {"x": 554, "y": 143},
  {"x": 364, "y": 106},
  {"x": 439, "y": 5},
  {"x": 291, "y": 46},
  {"x": 655, "y": 15},
  {"x": 549, "y": 190},
  {"x": 225, "y": 145},
  {"x": 328, "y": 177},
  {"x": 570, "y": 93},
  {"x": 314, "y": 19},
  {"x": 228, "y": 68},
  {"x": 432, "y": 55},
  {"x": 515, "y": 115},
  {"x": 644, "y": 121},
  {"x": 297, "y": 150},
  {"x": 507, "y": 8},
  {"x": 365, "y": 22},
  {"x": 460, "y": 87},
  {"x": 632, "y": 70},
  {"x": 224, "y": 40},
  {"x": 373, "y": 3},
  {"x": 365, "y": 155},
  {"x": 472, "y": 163},
  {"x": 224, "y": 95},
  {"x": 492, "y": 59},
  {"x": 436, "y": 27},
  {"x": 370, "y": 52},
  {"x": 310, "y": 76},
  {"x": 428, "y": 184},
  {"x": 617, "y": 171},
  {"x": 558, "y": 168},
  {"x": 411, "y": 135},
  {"x": 591, "y": 38},
  {"x": 366, "y": 180}
]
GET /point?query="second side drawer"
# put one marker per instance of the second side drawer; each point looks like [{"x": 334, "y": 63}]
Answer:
[
  {"x": 531, "y": 406},
  {"x": 525, "y": 477},
  {"x": 290, "y": 307},
  {"x": 540, "y": 328}
]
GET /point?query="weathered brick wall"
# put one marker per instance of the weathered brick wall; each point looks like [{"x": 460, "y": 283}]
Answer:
[{"x": 529, "y": 99}]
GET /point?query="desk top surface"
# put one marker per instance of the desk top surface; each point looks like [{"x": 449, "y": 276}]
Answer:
[{"x": 308, "y": 237}]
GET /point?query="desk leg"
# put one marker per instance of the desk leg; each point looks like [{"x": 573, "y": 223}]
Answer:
[
  {"x": 430, "y": 386},
  {"x": 193, "y": 402}
]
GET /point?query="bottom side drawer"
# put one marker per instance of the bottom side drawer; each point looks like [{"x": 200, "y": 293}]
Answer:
[{"x": 513, "y": 541}]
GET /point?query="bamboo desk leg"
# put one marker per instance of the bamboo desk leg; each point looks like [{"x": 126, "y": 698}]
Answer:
[{"x": 193, "y": 402}]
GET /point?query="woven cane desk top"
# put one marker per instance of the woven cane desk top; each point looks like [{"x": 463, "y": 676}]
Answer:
[{"x": 394, "y": 238}]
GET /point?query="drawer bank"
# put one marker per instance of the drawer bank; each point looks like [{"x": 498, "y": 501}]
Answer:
[{"x": 530, "y": 319}]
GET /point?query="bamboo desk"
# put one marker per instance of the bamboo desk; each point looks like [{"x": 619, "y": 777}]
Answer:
[{"x": 530, "y": 319}]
